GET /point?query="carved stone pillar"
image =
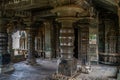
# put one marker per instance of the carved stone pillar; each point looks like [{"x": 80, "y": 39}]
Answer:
[
  {"x": 67, "y": 64},
  {"x": 92, "y": 55},
  {"x": 31, "y": 46},
  {"x": 5, "y": 57},
  {"x": 67, "y": 16},
  {"x": 48, "y": 39},
  {"x": 57, "y": 40},
  {"x": 118, "y": 47},
  {"x": 10, "y": 50},
  {"x": 109, "y": 36}
]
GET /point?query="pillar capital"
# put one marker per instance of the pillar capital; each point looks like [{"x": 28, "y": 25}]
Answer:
[
  {"x": 67, "y": 19},
  {"x": 70, "y": 11},
  {"x": 31, "y": 30}
]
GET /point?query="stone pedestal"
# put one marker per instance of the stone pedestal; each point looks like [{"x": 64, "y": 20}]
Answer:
[
  {"x": 31, "y": 46},
  {"x": 67, "y": 66}
]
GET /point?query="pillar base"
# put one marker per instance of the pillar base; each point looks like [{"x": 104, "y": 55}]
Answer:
[
  {"x": 31, "y": 61},
  {"x": 67, "y": 67},
  {"x": 6, "y": 68}
]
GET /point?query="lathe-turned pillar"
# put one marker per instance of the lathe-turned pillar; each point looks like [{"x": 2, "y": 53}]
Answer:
[
  {"x": 31, "y": 46},
  {"x": 67, "y": 16},
  {"x": 10, "y": 44},
  {"x": 67, "y": 65},
  {"x": 118, "y": 42},
  {"x": 5, "y": 57}
]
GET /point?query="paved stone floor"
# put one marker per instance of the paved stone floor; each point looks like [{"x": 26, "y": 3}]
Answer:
[
  {"x": 99, "y": 72},
  {"x": 26, "y": 72},
  {"x": 48, "y": 67}
]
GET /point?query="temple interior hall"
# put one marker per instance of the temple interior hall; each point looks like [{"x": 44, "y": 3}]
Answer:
[{"x": 59, "y": 39}]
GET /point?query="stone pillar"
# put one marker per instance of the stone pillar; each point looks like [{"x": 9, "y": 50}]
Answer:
[
  {"x": 110, "y": 37},
  {"x": 118, "y": 38},
  {"x": 31, "y": 46},
  {"x": 118, "y": 43},
  {"x": 57, "y": 29},
  {"x": 57, "y": 42},
  {"x": 67, "y": 64},
  {"x": 93, "y": 40},
  {"x": 101, "y": 36},
  {"x": 67, "y": 15},
  {"x": 5, "y": 57},
  {"x": 10, "y": 50},
  {"x": 48, "y": 39}
]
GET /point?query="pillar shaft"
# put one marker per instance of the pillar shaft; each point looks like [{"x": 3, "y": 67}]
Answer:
[
  {"x": 31, "y": 46},
  {"x": 110, "y": 37},
  {"x": 66, "y": 39},
  {"x": 119, "y": 31},
  {"x": 5, "y": 57},
  {"x": 10, "y": 49},
  {"x": 57, "y": 40},
  {"x": 67, "y": 64},
  {"x": 3, "y": 42},
  {"x": 67, "y": 15}
]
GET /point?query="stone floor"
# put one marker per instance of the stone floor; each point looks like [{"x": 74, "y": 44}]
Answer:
[
  {"x": 99, "y": 72},
  {"x": 26, "y": 72},
  {"x": 48, "y": 67}
]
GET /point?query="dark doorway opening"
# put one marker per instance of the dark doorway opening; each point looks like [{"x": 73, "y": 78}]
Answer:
[{"x": 76, "y": 43}]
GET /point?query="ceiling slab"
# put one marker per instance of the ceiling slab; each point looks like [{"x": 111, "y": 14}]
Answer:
[{"x": 106, "y": 4}]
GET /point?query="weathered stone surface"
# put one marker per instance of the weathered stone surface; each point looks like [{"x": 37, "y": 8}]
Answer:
[
  {"x": 31, "y": 46},
  {"x": 27, "y": 72},
  {"x": 67, "y": 67},
  {"x": 45, "y": 71},
  {"x": 5, "y": 58},
  {"x": 100, "y": 72}
]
